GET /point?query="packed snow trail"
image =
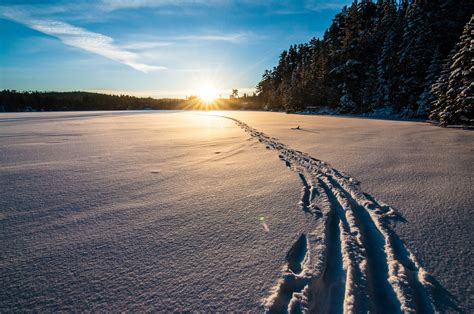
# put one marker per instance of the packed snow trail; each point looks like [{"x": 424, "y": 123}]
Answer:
[{"x": 358, "y": 264}]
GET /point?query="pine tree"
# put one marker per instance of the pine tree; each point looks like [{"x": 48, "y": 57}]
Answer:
[
  {"x": 389, "y": 33},
  {"x": 427, "y": 97},
  {"x": 412, "y": 62},
  {"x": 454, "y": 102}
]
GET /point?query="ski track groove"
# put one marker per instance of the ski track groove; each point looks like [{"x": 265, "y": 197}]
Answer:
[{"x": 365, "y": 266}]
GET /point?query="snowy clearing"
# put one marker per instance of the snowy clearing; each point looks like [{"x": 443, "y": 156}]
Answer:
[{"x": 233, "y": 211}]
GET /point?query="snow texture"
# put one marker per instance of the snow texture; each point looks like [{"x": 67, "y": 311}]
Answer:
[{"x": 176, "y": 211}]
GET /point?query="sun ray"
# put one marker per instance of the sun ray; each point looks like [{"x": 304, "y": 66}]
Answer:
[{"x": 208, "y": 94}]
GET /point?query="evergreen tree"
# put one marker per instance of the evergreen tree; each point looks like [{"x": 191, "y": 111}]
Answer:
[
  {"x": 387, "y": 36},
  {"x": 427, "y": 97},
  {"x": 454, "y": 103}
]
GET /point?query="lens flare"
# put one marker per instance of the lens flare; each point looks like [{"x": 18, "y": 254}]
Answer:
[{"x": 264, "y": 224}]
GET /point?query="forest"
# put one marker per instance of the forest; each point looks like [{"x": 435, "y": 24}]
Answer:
[{"x": 410, "y": 59}]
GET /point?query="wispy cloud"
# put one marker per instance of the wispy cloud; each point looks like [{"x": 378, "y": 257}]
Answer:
[
  {"x": 126, "y": 4},
  {"x": 144, "y": 45},
  {"x": 234, "y": 38},
  {"x": 81, "y": 38},
  {"x": 279, "y": 7},
  {"x": 144, "y": 42}
]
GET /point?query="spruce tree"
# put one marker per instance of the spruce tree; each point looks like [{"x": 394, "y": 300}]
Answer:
[{"x": 454, "y": 102}]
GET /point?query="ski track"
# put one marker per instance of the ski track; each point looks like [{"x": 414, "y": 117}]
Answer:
[{"x": 358, "y": 264}]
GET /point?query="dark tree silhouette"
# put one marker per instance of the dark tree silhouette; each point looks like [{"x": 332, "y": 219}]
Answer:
[{"x": 382, "y": 55}]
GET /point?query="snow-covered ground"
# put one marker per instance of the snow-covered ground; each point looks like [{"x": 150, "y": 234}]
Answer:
[{"x": 233, "y": 211}]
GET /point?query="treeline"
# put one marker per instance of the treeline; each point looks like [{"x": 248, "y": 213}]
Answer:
[
  {"x": 376, "y": 56},
  {"x": 11, "y": 100}
]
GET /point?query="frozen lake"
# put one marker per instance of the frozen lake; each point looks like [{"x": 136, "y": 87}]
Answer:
[{"x": 177, "y": 211}]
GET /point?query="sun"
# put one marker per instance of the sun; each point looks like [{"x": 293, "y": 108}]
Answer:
[{"x": 208, "y": 94}]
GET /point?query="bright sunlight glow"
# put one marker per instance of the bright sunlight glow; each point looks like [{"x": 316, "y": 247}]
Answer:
[{"x": 208, "y": 94}]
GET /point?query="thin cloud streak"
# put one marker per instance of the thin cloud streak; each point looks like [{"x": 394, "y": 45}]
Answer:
[
  {"x": 144, "y": 45},
  {"x": 81, "y": 38},
  {"x": 277, "y": 7},
  {"x": 234, "y": 38},
  {"x": 111, "y": 5},
  {"x": 163, "y": 41}
]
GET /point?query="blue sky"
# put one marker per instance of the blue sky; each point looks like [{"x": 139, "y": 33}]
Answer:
[{"x": 157, "y": 48}]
